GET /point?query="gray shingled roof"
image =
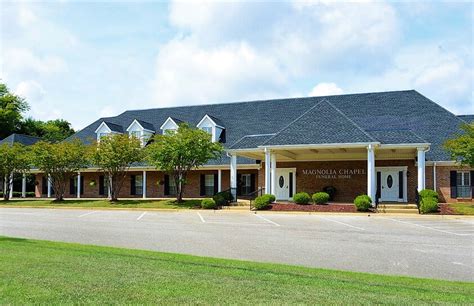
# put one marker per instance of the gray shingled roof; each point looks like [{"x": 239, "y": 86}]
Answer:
[
  {"x": 146, "y": 125},
  {"x": 25, "y": 140},
  {"x": 396, "y": 136},
  {"x": 389, "y": 111},
  {"x": 466, "y": 118},
  {"x": 114, "y": 127},
  {"x": 251, "y": 141}
]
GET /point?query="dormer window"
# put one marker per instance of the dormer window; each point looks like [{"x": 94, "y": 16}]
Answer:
[
  {"x": 141, "y": 130},
  {"x": 213, "y": 126},
  {"x": 171, "y": 125},
  {"x": 107, "y": 128}
]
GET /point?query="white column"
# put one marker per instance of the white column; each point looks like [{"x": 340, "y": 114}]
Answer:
[
  {"x": 273, "y": 173},
  {"x": 78, "y": 185},
  {"x": 23, "y": 186},
  {"x": 109, "y": 187},
  {"x": 144, "y": 184},
  {"x": 371, "y": 187},
  {"x": 268, "y": 185},
  {"x": 10, "y": 186},
  {"x": 219, "y": 180},
  {"x": 233, "y": 175},
  {"x": 49, "y": 186},
  {"x": 421, "y": 168},
  {"x": 434, "y": 176}
]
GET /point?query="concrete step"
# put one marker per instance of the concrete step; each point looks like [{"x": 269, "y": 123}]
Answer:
[
  {"x": 397, "y": 206},
  {"x": 398, "y": 210}
]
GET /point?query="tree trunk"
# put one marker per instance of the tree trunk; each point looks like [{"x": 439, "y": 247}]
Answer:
[{"x": 6, "y": 188}]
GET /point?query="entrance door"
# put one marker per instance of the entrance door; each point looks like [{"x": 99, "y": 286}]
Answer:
[
  {"x": 389, "y": 185},
  {"x": 284, "y": 184}
]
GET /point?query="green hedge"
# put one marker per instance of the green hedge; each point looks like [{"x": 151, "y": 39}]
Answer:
[
  {"x": 363, "y": 202},
  {"x": 428, "y": 193},
  {"x": 208, "y": 204},
  {"x": 301, "y": 198},
  {"x": 428, "y": 201},
  {"x": 17, "y": 194},
  {"x": 223, "y": 198},
  {"x": 321, "y": 197},
  {"x": 262, "y": 202}
]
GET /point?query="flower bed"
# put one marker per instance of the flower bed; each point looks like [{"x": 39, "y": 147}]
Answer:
[{"x": 320, "y": 208}]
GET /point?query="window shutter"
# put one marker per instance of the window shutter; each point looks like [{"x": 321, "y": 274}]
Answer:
[
  {"x": 82, "y": 184},
  {"x": 239, "y": 184},
  {"x": 216, "y": 182},
  {"x": 202, "y": 186},
  {"x": 400, "y": 184},
  {"x": 290, "y": 183},
  {"x": 379, "y": 185},
  {"x": 133, "y": 190},
  {"x": 101, "y": 185},
  {"x": 253, "y": 179},
  {"x": 44, "y": 185},
  {"x": 71, "y": 186},
  {"x": 453, "y": 184},
  {"x": 472, "y": 184},
  {"x": 167, "y": 185}
]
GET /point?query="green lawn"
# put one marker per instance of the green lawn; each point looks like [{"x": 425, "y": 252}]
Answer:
[
  {"x": 172, "y": 204},
  {"x": 463, "y": 208},
  {"x": 33, "y": 271}
]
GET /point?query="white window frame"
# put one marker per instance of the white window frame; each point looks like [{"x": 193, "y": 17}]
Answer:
[
  {"x": 208, "y": 184},
  {"x": 463, "y": 189}
]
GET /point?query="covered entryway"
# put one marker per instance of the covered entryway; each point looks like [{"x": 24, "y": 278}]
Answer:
[
  {"x": 392, "y": 184},
  {"x": 285, "y": 183}
]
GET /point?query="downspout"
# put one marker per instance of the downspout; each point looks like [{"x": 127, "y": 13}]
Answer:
[{"x": 434, "y": 176}]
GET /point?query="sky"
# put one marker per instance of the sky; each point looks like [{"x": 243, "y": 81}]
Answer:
[{"x": 81, "y": 60}]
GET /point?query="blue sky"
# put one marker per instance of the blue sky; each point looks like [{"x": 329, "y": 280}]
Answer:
[{"x": 83, "y": 60}]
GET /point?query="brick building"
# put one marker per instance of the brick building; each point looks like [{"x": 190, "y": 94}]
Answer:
[{"x": 386, "y": 144}]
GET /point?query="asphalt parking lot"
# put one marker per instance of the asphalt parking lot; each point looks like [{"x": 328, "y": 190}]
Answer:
[{"x": 427, "y": 246}]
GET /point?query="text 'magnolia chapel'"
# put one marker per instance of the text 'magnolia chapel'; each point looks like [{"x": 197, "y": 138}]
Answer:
[{"x": 388, "y": 144}]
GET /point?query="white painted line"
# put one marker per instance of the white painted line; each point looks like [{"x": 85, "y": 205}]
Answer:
[
  {"x": 267, "y": 220},
  {"x": 356, "y": 227},
  {"x": 141, "y": 216},
  {"x": 460, "y": 264},
  {"x": 202, "y": 219},
  {"x": 86, "y": 214},
  {"x": 431, "y": 228}
]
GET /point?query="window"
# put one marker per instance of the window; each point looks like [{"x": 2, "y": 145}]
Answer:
[
  {"x": 246, "y": 181},
  {"x": 135, "y": 134},
  {"x": 138, "y": 184},
  {"x": 463, "y": 182},
  {"x": 207, "y": 129},
  {"x": 102, "y": 135},
  {"x": 209, "y": 184},
  {"x": 172, "y": 186}
]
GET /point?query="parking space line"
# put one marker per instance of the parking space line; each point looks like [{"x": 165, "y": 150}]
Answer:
[
  {"x": 428, "y": 227},
  {"x": 267, "y": 220},
  {"x": 327, "y": 219},
  {"x": 202, "y": 219},
  {"x": 141, "y": 216},
  {"x": 86, "y": 214}
]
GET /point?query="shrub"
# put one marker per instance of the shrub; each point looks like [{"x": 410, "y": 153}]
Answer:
[
  {"x": 428, "y": 205},
  {"x": 225, "y": 195},
  {"x": 208, "y": 204},
  {"x": 262, "y": 202},
  {"x": 428, "y": 193},
  {"x": 363, "y": 202},
  {"x": 220, "y": 200},
  {"x": 271, "y": 198},
  {"x": 301, "y": 198},
  {"x": 331, "y": 190},
  {"x": 321, "y": 197}
]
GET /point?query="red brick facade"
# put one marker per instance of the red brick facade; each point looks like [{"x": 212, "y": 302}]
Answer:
[{"x": 347, "y": 187}]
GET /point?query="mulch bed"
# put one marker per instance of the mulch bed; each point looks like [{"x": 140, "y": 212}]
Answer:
[
  {"x": 313, "y": 207},
  {"x": 445, "y": 209}
]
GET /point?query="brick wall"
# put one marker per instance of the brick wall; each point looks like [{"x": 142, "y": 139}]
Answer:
[{"x": 443, "y": 183}]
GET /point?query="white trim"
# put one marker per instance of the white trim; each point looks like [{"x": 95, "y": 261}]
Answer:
[
  {"x": 323, "y": 145},
  {"x": 143, "y": 129},
  {"x": 100, "y": 126},
  {"x": 406, "y": 145},
  {"x": 405, "y": 180},
  {"x": 166, "y": 121},
  {"x": 293, "y": 178},
  {"x": 210, "y": 119}
]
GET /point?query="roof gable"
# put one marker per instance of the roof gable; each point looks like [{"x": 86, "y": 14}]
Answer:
[
  {"x": 111, "y": 126},
  {"x": 143, "y": 125}
]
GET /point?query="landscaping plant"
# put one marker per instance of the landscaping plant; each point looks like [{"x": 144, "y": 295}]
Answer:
[
  {"x": 13, "y": 159},
  {"x": 363, "y": 202},
  {"x": 331, "y": 190},
  {"x": 428, "y": 201},
  {"x": 321, "y": 198},
  {"x": 208, "y": 204},
  {"x": 262, "y": 202},
  {"x": 301, "y": 198}
]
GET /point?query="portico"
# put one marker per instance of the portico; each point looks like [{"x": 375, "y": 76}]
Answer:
[{"x": 386, "y": 171}]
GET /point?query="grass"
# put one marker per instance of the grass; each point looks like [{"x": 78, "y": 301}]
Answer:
[
  {"x": 168, "y": 204},
  {"x": 43, "y": 272},
  {"x": 463, "y": 208}
]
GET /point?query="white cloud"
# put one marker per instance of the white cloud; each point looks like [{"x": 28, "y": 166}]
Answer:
[
  {"x": 108, "y": 111},
  {"x": 22, "y": 62},
  {"x": 30, "y": 90},
  {"x": 326, "y": 89}
]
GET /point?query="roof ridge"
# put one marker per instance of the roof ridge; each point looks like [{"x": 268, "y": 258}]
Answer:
[{"x": 295, "y": 120}]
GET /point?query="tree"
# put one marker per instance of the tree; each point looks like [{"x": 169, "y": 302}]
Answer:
[
  {"x": 114, "y": 155},
  {"x": 11, "y": 109},
  {"x": 461, "y": 147},
  {"x": 13, "y": 159},
  {"x": 178, "y": 152},
  {"x": 52, "y": 130},
  {"x": 60, "y": 162}
]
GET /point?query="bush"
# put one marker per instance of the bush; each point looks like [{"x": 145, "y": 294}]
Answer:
[
  {"x": 331, "y": 190},
  {"x": 271, "y": 198},
  {"x": 428, "y": 193},
  {"x": 301, "y": 198},
  {"x": 220, "y": 200},
  {"x": 363, "y": 202},
  {"x": 428, "y": 205},
  {"x": 321, "y": 197},
  {"x": 208, "y": 204},
  {"x": 17, "y": 194},
  {"x": 262, "y": 202}
]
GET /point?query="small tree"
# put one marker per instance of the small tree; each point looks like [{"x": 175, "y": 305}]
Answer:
[
  {"x": 60, "y": 162},
  {"x": 461, "y": 147},
  {"x": 114, "y": 155},
  {"x": 13, "y": 159},
  {"x": 178, "y": 152}
]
